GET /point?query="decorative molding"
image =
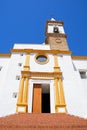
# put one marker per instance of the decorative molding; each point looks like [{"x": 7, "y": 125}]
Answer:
[
  {"x": 41, "y": 51},
  {"x": 5, "y": 55},
  {"x": 58, "y": 22},
  {"x": 79, "y": 57},
  {"x": 26, "y": 66},
  {"x": 41, "y": 74},
  {"x": 60, "y": 105},
  {"x": 59, "y": 95},
  {"x": 56, "y": 66},
  {"x": 27, "y": 63},
  {"x": 23, "y": 95},
  {"x": 56, "y": 35}
]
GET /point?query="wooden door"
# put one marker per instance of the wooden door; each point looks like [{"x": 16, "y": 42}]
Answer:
[{"x": 37, "y": 98}]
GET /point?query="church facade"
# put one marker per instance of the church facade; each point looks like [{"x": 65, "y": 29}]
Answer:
[{"x": 44, "y": 78}]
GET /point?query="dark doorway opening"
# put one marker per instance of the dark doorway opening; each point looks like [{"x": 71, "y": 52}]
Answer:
[
  {"x": 45, "y": 102},
  {"x": 45, "y": 98}
]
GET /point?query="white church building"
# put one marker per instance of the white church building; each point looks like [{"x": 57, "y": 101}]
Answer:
[{"x": 44, "y": 78}]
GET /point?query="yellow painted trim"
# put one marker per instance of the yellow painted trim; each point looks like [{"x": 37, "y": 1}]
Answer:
[
  {"x": 62, "y": 98},
  {"x": 41, "y": 54},
  {"x": 41, "y": 51},
  {"x": 25, "y": 106},
  {"x": 21, "y": 50},
  {"x": 32, "y": 74},
  {"x": 43, "y": 78},
  {"x": 59, "y": 95},
  {"x": 60, "y": 105},
  {"x": 27, "y": 62},
  {"x": 56, "y": 66},
  {"x": 20, "y": 94},
  {"x": 79, "y": 57},
  {"x": 5, "y": 55},
  {"x": 21, "y": 104},
  {"x": 57, "y": 101},
  {"x": 23, "y": 94},
  {"x": 26, "y": 66}
]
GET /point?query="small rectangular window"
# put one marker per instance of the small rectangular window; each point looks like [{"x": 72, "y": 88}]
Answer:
[
  {"x": 18, "y": 77},
  {"x": 21, "y": 54},
  {"x": 0, "y": 68},
  {"x": 19, "y": 64},
  {"x": 83, "y": 74},
  {"x": 14, "y": 95}
]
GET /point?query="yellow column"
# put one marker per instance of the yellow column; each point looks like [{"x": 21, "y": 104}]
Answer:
[
  {"x": 20, "y": 94},
  {"x": 62, "y": 99},
  {"x": 56, "y": 85},
  {"x": 56, "y": 66},
  {"x": 25, "y": 91},
  {"x": 59, "y": 93},
  {"x": 57, "y": 101},
  {"x": 27, "y": 62}
]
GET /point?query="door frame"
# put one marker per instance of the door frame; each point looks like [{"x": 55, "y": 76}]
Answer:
[{"x": 52, "y": 98}]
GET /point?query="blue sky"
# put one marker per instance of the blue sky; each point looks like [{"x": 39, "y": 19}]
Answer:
[{"x": 24, "y": 21}]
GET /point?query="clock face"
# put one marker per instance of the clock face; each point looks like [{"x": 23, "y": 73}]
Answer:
[
  {"x": 58, "y": 40},
  {"x": 41, "y": 59}
]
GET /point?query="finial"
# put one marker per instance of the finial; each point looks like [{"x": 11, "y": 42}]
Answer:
[{"x": 52, "y": 19}]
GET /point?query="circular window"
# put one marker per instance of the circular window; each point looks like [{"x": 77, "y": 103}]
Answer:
[{"x": 41, "y": 59}]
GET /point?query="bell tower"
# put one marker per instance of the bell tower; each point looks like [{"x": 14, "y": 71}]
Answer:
[{"x": 55, "y": 35}]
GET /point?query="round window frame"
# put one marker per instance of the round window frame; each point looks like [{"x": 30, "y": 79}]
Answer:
[{"x": 41, "y": 54}]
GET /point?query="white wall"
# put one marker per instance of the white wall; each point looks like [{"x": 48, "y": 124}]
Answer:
[
  {"x": 4, "y": 62},
  {"x": 74, "y": 87},
  {"x": 34, "y": 66},
  {"x": 11, "y": 85},
  {"x": 32, "y": 46}
]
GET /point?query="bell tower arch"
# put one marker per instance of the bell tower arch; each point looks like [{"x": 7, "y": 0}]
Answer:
[{"x": 55, "y": 35}]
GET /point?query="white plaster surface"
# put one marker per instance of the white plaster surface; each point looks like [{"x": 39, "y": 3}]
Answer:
[
  {"x": 75, "y": 88},
  {"x": 32, "y": 46}
]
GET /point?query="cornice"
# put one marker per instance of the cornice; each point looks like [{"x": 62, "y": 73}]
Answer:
[
  {"x": 56, "y": 35},
  {"x": 41, "y": 51},
  {"x": 41, "y": 74},
  {"x": 79, "y": 57},
  {"x": 5, "y": 55},
  {"x": 60, "y": 22}
]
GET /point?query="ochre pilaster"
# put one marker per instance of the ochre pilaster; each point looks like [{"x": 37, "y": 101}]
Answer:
[
  {"x": 20, "y": 94},
  {"x": 22, "y": 103},
  {"x": 59, "y": 93},
  {"x": 27, "y": 63},
  {"x": 62, "y": 99},
  {"x": 60, "y": 105},
  {"x": 57, "y": 101},
  {"x": 25, "y": 91},
  {"x": 56, "y": 66}
]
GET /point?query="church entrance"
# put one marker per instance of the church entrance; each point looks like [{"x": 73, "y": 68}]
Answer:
[{"x": 41, "y": 98}]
